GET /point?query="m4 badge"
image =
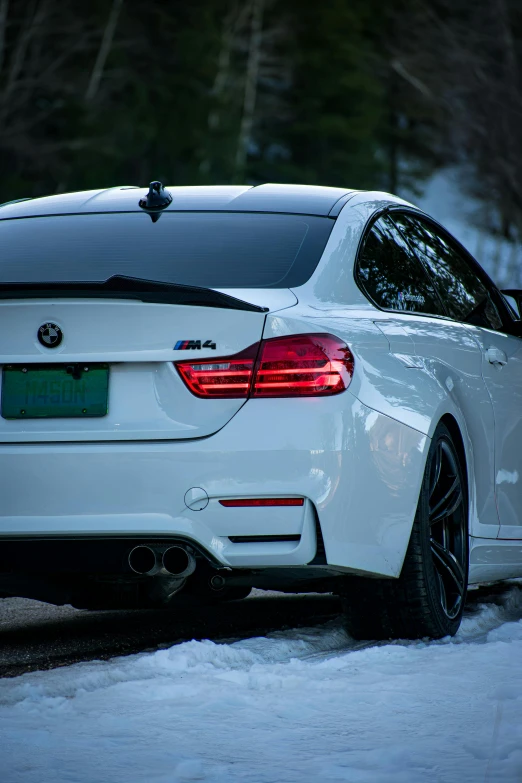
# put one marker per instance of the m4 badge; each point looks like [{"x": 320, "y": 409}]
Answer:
[{"x": 191, "y": 345}]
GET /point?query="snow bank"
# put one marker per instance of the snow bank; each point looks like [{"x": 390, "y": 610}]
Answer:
[{"x": 303, "y": 706}]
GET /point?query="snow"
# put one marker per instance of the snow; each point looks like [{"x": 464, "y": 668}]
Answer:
[{"x": 303, "y": 705}]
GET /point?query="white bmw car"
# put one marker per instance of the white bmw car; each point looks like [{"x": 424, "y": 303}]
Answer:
[{"x": 205, "y": 389}]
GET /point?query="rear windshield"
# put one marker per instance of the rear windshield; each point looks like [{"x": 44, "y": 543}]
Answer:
[{"x": 214, "y": 250}]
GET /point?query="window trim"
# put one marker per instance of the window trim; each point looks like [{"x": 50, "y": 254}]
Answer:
[
  {"x": 493, "y": 291},
  {"x": 387, "y": 210}
]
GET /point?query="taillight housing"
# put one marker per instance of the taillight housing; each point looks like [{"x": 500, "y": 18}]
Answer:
[
  {"x": 225, "y": 378},
  {"x": 301, "y": 365}
]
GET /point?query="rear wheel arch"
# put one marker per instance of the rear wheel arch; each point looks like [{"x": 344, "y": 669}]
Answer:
[
  {"x": 427, "y": 599},
  {"x": 459, "y": 436},
  {"x": 458, "y": 441}
]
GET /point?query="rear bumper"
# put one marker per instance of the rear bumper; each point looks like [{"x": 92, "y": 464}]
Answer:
[{"x": 359, "y": 470}]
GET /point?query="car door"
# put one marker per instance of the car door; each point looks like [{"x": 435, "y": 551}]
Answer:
[
  {"x": 502, "y": 368},
  {"x": 425, "y": 340},
  {"x": 471, "y": 298}
]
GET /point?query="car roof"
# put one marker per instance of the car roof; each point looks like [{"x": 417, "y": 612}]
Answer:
[{"x": 296, "y": 199}]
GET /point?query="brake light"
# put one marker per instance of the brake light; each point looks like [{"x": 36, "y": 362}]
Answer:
[
  {"x": 304, "y": 365},
  {"x": 229, "y": 377}
]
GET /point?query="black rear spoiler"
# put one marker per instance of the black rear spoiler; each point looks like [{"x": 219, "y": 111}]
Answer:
[{"x": 123, "y": 287}]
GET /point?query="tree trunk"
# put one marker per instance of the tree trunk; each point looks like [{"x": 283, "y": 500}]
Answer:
[
  {"x": 4, "y": 8},
  {"x": 251, "y": 80},
  {"x": 220, "y": 81},
  {"x": 103, "y": 52},
  {"x": 35, "y": 18}
]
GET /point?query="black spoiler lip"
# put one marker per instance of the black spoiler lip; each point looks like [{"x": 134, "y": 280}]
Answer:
[{"x": 123, "y": 287}]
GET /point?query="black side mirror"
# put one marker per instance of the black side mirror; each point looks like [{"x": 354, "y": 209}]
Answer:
[{"x": 516, "y": 294}]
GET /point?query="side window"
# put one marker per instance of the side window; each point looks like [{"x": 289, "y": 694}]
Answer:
[
  {"x": 390, "y": 274},
  {"x": 465, "y": 296}
]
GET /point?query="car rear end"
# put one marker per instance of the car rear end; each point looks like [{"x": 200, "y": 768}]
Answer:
[{"x": 152, "y": 430}]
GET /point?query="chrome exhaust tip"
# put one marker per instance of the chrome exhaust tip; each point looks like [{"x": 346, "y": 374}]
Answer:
[
  {"x": 178, "y": 562},
  {"x": 142, "y": 560}
]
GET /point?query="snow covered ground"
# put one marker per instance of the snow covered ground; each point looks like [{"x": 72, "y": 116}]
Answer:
[{"x": 296, "y": 706}]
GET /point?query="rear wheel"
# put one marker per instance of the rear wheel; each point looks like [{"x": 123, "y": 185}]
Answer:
[{"x": 428, "y": 598}]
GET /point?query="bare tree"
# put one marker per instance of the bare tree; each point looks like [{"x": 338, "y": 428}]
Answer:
[
  {"x": 30, "y": 27},
  {"x": 232, "y": 26},
  {"x": 42, "y": 46},
  {"x": 4, "y": 9},
  {"x": 104, "y": 51},
  {"x": 251, "y": 84},
  {"x": 459, "y": 63}
]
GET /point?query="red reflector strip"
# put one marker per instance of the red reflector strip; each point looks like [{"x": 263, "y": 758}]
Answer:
[{"x": 250, "y": 502}]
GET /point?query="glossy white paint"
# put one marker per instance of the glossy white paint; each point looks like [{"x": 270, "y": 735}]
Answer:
[
  {"x": 502, "y": 370},
  {"x": 357, "y": 458},
  {"x": 446, "y": 381},
  {"x": 434, "y": 367},
  {"x": 273, "y": 298},
  {"x": 492, "y": 561},
  {"x": 147, "y": 398},
  {"x": 316, "y": 449},
  {"x": 333, "y": 283},
  {"x": 452, "y": 359}
]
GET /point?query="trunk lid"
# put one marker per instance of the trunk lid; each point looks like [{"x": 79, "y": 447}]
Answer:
[{"x": 147, "y": 400}]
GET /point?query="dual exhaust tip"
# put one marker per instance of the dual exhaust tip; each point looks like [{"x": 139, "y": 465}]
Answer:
[{"x": 173, "y": 560}]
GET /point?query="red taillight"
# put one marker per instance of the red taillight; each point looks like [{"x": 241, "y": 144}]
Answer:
[
  {"x": 252, "y": 502},
  {"x": 228, "y": 377},
  {"x": 303, "y": 365}
]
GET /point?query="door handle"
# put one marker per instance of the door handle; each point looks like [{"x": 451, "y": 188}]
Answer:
[{"x": 496, "y": 356}]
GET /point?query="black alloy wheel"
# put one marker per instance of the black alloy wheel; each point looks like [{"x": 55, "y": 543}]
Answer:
[
  {"x": 448, "y": 527},
  {"x": 428, "y": 598}
]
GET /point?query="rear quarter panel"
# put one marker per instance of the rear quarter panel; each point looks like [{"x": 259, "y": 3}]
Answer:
[
  {"x": 414, "y": 396},
  {"x": 376, "y": 458}
]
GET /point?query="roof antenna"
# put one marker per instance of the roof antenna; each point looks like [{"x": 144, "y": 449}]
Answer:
[{"x": 156, "y": 200}]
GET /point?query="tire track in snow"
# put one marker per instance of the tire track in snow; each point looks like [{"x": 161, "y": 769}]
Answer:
[
  {"x": 36, "y": 636},
  {"x": 306, "y": 627}
]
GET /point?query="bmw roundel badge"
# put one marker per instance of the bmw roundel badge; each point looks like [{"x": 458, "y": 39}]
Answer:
[{"x": 50, "y": 335}]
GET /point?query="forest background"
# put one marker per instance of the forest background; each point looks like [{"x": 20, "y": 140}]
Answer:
[{"x": 418, "y": 97}]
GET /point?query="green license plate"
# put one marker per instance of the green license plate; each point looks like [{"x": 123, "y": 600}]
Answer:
[{"x": 51, "y": 391}]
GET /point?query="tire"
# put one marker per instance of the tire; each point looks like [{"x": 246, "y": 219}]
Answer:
[{"x": 428, "y": 598}]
